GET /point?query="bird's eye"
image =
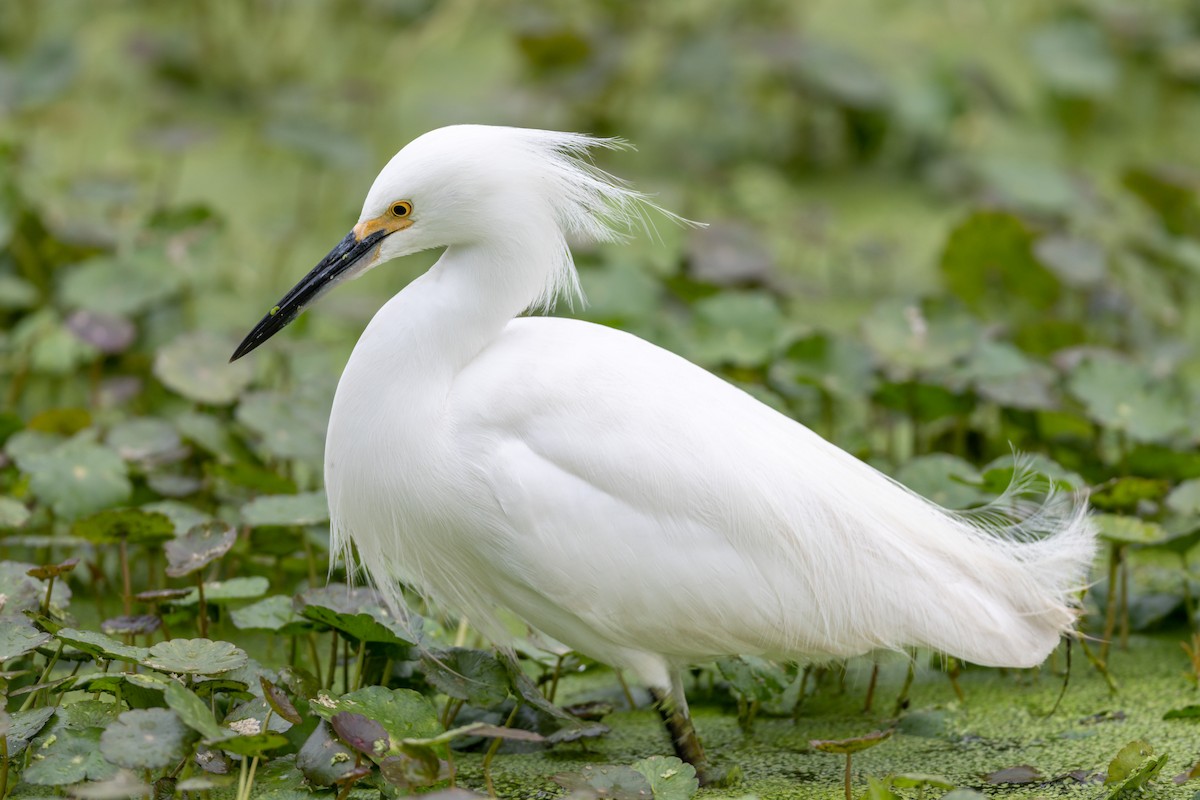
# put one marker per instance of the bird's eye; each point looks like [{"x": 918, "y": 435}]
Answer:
[{"x": 402, "y": 208}]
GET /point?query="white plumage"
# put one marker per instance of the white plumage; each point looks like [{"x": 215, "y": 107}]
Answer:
[{"x": 615, "y": 496}]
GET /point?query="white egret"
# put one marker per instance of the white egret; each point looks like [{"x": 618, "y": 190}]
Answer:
[{"x": 610, "y": 493}]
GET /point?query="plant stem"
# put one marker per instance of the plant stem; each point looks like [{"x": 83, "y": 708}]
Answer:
[
  {"x": 848, "y": 797},
  {"x": 42, "y": 679},
  {"x": 493, "y": 747},
  {"x": 871, "y": 688},
  {"x": 1110, "y": 602},
  {"x": 316, "y": 659},
  {"x": 203, "y": 620},
  {"x": 127, "y": 595},
  {"x": 358, "y": 669},
  {"x": 46, "y": 602},
  {"x": 3, "y": 766}
]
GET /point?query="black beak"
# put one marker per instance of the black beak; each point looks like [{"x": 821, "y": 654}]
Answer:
[{"x": 333, "y": 267}]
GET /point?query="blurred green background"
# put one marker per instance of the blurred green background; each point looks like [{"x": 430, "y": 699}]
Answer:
[{"x": 938, "y": 231}]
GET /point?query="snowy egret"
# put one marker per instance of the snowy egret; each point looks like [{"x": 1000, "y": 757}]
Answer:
[{"x": 613, "y": 495}]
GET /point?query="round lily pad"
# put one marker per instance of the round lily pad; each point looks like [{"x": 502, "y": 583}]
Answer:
[
  {"x": 198, "y": 548},
  {"x": 670, "y": 778},
  {"x": 128, "y": 284},
  {"x": 196, "y": 365},
  {"x": 77, "y": 478},
  {"x": 361, "y": 733},
  {"x": 1128, "y": 530},
  {"x": 108, "y": 334},
  {"x": 194, "y": 657},
  {"x": 13, "y": 513},
  {"x": 472, "y": 675},
  {"x": 74, "y": 756},
  {"x": 140, "y": 625},
  {"x": 150, "y": 738},
  {"x": 53, "y": 570},
  {"x": 274, "y": 614},
  {"x": 147, "y": 441},
  {"x": 18, "y": 637},
  {"x": 307, "y": 508},
  {"x": 246, "y": 588},
  {"x": 288, "y": 426},
  {"x": 323, "y": 759}
]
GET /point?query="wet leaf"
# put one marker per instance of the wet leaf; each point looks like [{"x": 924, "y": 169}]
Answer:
[
  {"x": 18, "y": 637},
  {"x": 403, "y": 713},
  {"x": 124, "y": 784},
  {"x": 323, "y": 759},
  {"x": 98, "y": 645},
  {"x": 279, "y": 702},
  {"x": 193, "y": 711},
  {"x": 618, "y": 783},
  {"x": 669, "y": 777},
  {"x": 944, "y": 479},
  {"x": 1184, "y": 499},
  {"x": 196, "y": 365},
  {"x": 198, "y": 548},
  {"x": 24, "y": 725},
  {"x": 72, "y": 757},
  {"x": 195, "y": 657},
  {"x": 1122, "y": 396},
  {"x": 151, "y": 738},
  {"x": 361, "y": 733},
  {"x": 472, "y": 675}
]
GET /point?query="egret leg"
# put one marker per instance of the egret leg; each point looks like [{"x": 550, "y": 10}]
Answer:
[{"x": 672, "y": 707}]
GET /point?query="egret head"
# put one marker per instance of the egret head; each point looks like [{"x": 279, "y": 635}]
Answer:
[{"x": 473, "y": 184}]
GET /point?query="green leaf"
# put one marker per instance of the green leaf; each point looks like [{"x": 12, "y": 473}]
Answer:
[
  {"x": 131, "y": 524},
  {"x": 1184, "y": 499},
  {"x": 146, "y": 441},
  {"x": 738, "y": 328},
  {"x": 151, "y": 738},
  {"x": 1128, "y": 760},
  {"x": 183, "y": 516},
  {"x": 1128, "y": 530},
  {"x": 196, "y": 365},
  {"x": 1171, "y": 193},
  {"x": 124, "y": 285},
  {"x": 403, "y": 713},
  {"x": 83, "y": 714},
  {"x": 754, "y": 678},
  {"x": 288, "y": 426},
  {"x": 18, "y": 637},
  {"x": 274, "y": 614},
  {"x": 669, "y": 777},
  {"x": 619, "y": 783},
  {"x": 77, "y": 478},
  {"x": 198, "y": 548},
  {"x": 195, "y": 657},
  {"x": 910, "y": 337},
  {"x": 1074, "y": 59},
  {"x": 23, "y": 592},
  {"x": 13, "y": 513},
  {"x": 254, "y": 744},
  {"x": 218, "y": 592},
  {"x": 71, "y": 757},
  {"x": 98, "y": 645},
  {"x": 944, "y": 479},
  {"x": 323, "y": 759},
  {"x": 1191, "y": 712},
  {"x": 355, "y": 612},
  {"x": 1124, "y": 397},
  {"x": 472, "y": 675},
  {"x": 193, "y": 711},
  {"x": 988, "y": 263},
  {"x": 852, "y": 745},
  {"x": 308, "y": 508},
  {"x": 279, "y": 701},
  {"x": 25, "y": 725}
]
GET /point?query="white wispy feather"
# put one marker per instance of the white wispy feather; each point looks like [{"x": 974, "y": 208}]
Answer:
[{"x": 618, "y": 497}]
